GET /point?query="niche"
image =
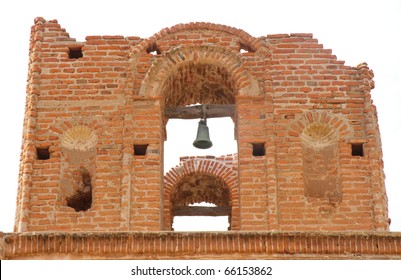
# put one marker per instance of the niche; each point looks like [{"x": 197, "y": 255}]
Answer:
[
  {"x": 258, "y": 149},
  {"x": 78, "y": 168},
  {"x": 75, "y": 52},
  {"x": 321, "y": 162},
  {"x": 43, "y": 153},
  {"x": 140, "y": 149},
  {"x": 357, "y": 149}
]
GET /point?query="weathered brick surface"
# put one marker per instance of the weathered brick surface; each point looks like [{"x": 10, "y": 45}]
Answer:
[{"x": 292, "y": 97}]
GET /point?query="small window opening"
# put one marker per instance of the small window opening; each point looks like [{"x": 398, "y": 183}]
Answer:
[
  {"x": 140, "y": 150},
  {"x": 82, "y": 199},
  {"x": 258, "y": 149},
  {"x": 153, "y": 49},
  {"x": 43, "y": 153},
  {"x": 245, "y": 48},
  {"x": 357, "y": 149},
  {"x": 75, "y": 52}
]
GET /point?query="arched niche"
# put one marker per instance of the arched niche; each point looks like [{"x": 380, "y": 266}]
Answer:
[
  {"x": 321, "y": 136},
  {"x": 321, "y": 164}
]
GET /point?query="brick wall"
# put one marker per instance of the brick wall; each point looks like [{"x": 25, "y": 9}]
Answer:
[{"x": 309, "y": 151}]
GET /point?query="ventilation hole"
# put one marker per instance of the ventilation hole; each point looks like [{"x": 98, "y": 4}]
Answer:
[
  {"x": 43, "y": 153},
  {"x": 153, "y": 49},
  {"x": 75, "y": 52},
  {"x": 357, "y": 149},
  {"x": 258, "y": 149},
  {"x": 140, "y": 150}
]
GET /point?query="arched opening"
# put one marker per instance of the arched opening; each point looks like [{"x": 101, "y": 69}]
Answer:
[
  {"x": 184, "y": 78},
  {"x": 208, "y": 85},
  {"x": 211, "y": 88},
  {"x": 205, "y": 85},
  {"x": 182, "y": 133},
  {"x": 203, "y": 179},
  {"x": 201, "y": 202}
]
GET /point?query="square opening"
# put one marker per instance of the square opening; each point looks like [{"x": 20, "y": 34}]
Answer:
[
  {"x": 140, "y": 149},
  {"x": 43, "y": 153},
  {"x": 75, "y": 52},
  {"x": 258, "y": 149},
  {"x": 357, "y": 149}
]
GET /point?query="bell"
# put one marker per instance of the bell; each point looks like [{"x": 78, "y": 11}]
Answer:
[{"x": 202, "y": 140}]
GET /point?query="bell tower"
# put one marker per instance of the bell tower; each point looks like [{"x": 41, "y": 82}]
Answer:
[{"x": 309, "y": 152}]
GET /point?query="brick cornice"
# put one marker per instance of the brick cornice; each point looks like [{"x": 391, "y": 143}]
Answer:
[{"x": 200, "y": 245}]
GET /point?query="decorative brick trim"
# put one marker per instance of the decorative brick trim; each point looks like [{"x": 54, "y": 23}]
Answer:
[{"x": 211, "y": 245}]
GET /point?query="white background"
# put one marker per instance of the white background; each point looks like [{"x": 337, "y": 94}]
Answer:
[
  {"x": 122, "y": 269},
  {"x": 356, "y": 31}
]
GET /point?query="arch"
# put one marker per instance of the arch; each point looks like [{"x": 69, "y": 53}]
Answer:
[
  {"x": 341, "y": 127},
  {"x": 76, "y": 129},
  {"x": 168, "y": 65},
  {"x": 244, "y": 38},
  {"x": 210, "y": 167}
]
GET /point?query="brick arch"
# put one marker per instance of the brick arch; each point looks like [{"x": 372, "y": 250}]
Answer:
[
  {"x": 65, "y": 125},
  {"x": 226, "y": 171},
  {"x": 243, "y": 37},
  {"x": 169, "y": 63},
  {"x": 340, "y": 126}
]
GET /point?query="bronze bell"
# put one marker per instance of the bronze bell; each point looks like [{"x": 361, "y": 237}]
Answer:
[{"x": 202, "y": 140}]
